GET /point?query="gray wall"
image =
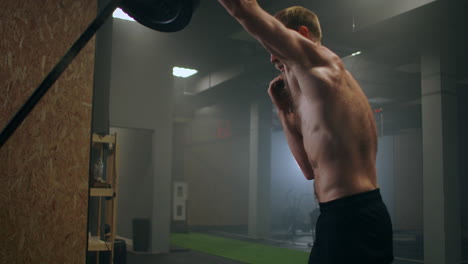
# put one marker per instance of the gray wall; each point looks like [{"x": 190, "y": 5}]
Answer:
[
  {"x": 408, "y": 181},
  {"x": 289, "y": 187},
  {"x": 399, "y": 170},
  {"x": 386, "y": 172},
  {"x": 138, "y": 99},
  {"x": 102, "y": 75},
  {"x": 216, "y": 168},
  {"x": 463, "y": 108},
  {"x": 134, "y": 196}
]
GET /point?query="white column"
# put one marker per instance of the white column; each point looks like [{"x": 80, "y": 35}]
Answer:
[
  {"x": 259, "y": 169},
  {"x": 162, "y": 160},
  {"x": 442, "y": 243}
]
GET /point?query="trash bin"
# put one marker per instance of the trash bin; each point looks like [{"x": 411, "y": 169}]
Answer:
[
  {"x": 141, "y": 234},
  {"x": 120, "y": 251},
  {"x": 120, "y": 254}
]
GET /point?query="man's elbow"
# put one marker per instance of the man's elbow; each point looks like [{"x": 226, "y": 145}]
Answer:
[{"x": 309, "y": 174}]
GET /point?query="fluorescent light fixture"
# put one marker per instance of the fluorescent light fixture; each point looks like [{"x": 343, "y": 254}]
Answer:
[
  {"x": 356, "y": 53},
  {"x": 183, "y": 72},
  {"x": 119, "y": 13}
]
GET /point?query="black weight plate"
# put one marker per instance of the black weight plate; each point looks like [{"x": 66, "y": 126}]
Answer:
[{"x": 161, "y": 15}]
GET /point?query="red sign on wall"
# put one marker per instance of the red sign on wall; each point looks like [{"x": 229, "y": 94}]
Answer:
[{"x": 224, "y": 129}]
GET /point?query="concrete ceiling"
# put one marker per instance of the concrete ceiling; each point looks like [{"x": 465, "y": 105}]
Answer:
[
  {"x": 389, "y": 34},
  {"x": 213, "y": 40}
]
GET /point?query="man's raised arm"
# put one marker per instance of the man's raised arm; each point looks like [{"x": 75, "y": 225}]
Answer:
[{"x": 286, "y": 44}]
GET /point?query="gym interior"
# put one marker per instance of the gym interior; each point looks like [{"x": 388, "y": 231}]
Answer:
[{"x": 199, "y": 166}]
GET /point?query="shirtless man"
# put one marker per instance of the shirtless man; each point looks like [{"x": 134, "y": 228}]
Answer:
[{"x": 330, "y": 129}]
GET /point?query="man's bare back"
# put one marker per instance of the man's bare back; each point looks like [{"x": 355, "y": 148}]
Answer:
[
  {"x": 335, "y": 122},
  {"x": 332, "y": 117},
  {"x": 330, "y": 130}
]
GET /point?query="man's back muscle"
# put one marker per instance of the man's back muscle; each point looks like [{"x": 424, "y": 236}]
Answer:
[{"x": 338, "y": 129}]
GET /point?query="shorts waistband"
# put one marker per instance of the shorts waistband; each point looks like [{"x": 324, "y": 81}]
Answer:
[{"x": 351, "y": 201}]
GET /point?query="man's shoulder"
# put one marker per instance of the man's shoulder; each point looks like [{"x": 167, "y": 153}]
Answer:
[
  {"x": 329, "y": 62},
  {"x": 327, "y": 76}
]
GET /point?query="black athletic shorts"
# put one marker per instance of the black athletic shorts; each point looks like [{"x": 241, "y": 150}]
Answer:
[{"x": 354, "y": 229}]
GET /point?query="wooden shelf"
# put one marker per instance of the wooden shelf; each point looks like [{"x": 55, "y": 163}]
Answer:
[
  {"x": 99, "y": 245},
  {"x": 103, "y": 192},
  {"x": 103, "y": 139},
  {"x": 103, "y": 212}
]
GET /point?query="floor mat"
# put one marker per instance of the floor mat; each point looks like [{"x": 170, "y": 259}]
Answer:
[{"x": 243, "y": 251}]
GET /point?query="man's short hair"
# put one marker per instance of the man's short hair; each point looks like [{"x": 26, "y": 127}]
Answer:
[{"x": 296, "y": 16}]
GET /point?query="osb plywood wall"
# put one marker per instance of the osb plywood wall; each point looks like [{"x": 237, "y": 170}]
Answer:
[{"x": 44, "y": 165}]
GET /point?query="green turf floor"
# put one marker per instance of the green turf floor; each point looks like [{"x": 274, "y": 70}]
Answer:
[{"x": 238, "y": 250}]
